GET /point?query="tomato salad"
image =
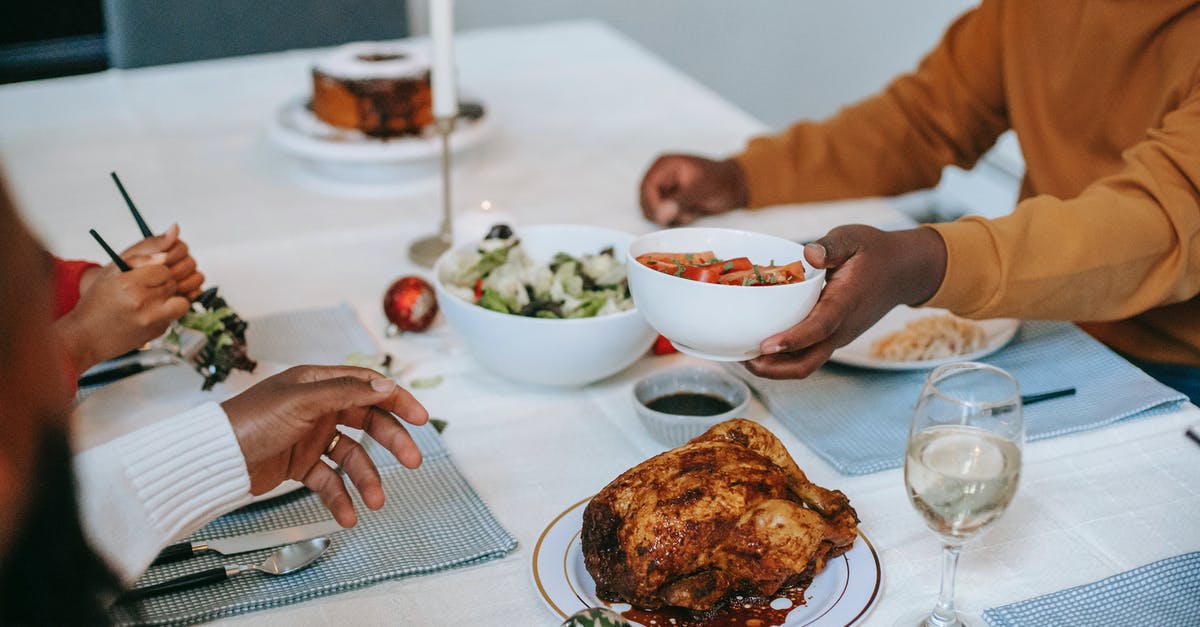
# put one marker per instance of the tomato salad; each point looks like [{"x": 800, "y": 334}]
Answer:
[{"x": 708, "y": 268}]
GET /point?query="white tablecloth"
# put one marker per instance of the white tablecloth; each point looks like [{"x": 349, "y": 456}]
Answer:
[{"x": 579, "y": 112}]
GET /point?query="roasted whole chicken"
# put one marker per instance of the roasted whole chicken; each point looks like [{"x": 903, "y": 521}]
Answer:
[{"x": 728, "y": 513}]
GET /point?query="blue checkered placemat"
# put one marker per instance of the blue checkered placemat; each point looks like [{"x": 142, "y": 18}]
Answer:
[
  {"x": 433, "y": 520},
  {"x": 1163, "y": 594},
  {"x": 858, "y": 419}
]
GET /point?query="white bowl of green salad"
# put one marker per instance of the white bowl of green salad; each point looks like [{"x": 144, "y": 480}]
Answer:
[{"x": 546, "y": 304}]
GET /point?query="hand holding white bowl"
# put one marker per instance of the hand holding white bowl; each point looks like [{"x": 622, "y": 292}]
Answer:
[
  {"x": 720, "y": 322},
  {"x": 870, "y": 272}
]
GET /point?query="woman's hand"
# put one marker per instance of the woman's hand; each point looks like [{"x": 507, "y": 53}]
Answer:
[
  {"x": 188, "y": 279},
  {"x": 680, "y": 188},
  {"x": 868, "y": 273},
  {"x": 285, "y": 423},
  {"x": 121, "y": 311}
]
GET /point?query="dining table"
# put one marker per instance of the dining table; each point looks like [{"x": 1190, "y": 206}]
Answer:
[{"x": 577, "y": 112}]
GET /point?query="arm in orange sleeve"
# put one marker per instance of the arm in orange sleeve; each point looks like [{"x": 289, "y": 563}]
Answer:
[
  {"x": 1128, "y": 243},
  {"x": 949, "y": 111}
]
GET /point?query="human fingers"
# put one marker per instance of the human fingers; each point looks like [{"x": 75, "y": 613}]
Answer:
[
  {"x": 141, "y": 261},
  {"x": 182, "y": 268},
  {"x": 173, "y": 308},
  {"x": 659, "y": 184},
  {"x": 144, "y": 292},
  {"x": 403, "y": 404},
  {"x": 312, "y": 399},
  {"x": 835, "y": 248},
  {"x": 177, "y": 252},
  {"x": 148, "y": 274},
  {"x": 154, "y": 243},
  {"x": 190, "y": 286},
  {"x": 328, "y": 484},
  {"x": 796, "y": 365},
  {"x": 313, "y": 373},
  {"x": 170, "y": 236},
  {"x": 353, "y": 459},
  {"x": 822, "y": 322},
  {"x": 384, "y": 428},
  {"x": 398, "y": 400}
]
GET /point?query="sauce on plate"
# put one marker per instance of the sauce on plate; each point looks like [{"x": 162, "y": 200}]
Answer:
[{"x": 768, "y": 611}]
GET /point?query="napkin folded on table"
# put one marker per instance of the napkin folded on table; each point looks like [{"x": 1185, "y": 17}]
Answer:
[
  {"x": 433, "y": 520},
  {"x": 1164, "y": 593},
  {"x": 857, "y": 419}
]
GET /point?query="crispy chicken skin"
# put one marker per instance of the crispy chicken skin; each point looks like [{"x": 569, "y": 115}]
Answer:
[{"x": 728, "y": 513}]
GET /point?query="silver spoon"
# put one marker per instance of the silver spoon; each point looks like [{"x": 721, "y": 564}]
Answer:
[{"x": 284, "y": 560}]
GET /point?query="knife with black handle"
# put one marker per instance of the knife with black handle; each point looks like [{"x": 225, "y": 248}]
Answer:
[{"x": 251, "y": 542}]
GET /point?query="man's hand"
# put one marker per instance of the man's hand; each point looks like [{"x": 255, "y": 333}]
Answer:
[
  {"x": 285, "y": 422},
  {"x": 121, "y": 311},
  {"x": 177, "y": 258},
  {"x": 869, "y": 272},
  {"x": 679, "y": 188}
]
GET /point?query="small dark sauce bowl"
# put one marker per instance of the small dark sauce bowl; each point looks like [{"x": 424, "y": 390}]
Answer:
[{"x": 673, "y": 420}]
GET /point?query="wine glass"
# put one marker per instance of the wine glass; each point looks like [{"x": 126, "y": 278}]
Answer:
[{"x": 963, "y": 461}]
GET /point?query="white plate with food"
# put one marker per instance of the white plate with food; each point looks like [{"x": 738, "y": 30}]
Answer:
[
  {"x": 842, "y": 594},
  {"x": 351, "y": 155},
  {"x": 910, "y": 338}
]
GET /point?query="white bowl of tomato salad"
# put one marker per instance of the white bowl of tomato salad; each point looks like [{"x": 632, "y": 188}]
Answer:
[{"x": 718, "y": 293}]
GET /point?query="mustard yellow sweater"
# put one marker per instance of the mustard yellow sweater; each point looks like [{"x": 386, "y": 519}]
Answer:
[{"x": 1104, "y": 96}]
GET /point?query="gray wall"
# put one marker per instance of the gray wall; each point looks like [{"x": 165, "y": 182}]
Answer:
[
  {"x": 782, "y": 61},
  {"x": 779, "y": 60}
]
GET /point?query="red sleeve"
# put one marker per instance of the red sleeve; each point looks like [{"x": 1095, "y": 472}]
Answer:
[{"x": 67, "y": 275}]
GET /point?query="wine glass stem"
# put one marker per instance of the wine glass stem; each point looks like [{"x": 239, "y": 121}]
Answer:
[{"x": 943, "y": 614}]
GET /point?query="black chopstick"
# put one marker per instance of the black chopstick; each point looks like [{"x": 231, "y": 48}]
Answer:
[
  {"x": 137, "y": 215},
  {"x": 112, "y": 254},
  {"x": 1045, "y": 396},
  {"x": 1192, "y": 435}
]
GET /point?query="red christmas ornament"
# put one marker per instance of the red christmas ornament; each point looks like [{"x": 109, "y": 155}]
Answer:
[{"x": 410, "y": 304}]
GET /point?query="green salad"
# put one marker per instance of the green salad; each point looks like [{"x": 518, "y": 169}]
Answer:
[{"x": 499, "y": 275}]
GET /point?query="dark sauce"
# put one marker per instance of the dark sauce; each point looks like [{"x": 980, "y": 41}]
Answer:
[
  {"x": 690, "y": 404},
  {"x": 739, "y": 612}
]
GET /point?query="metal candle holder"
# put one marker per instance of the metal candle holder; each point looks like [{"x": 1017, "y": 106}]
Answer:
[{"x": 425, "y": 251}]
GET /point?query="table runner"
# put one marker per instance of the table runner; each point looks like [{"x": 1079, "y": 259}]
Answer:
[
  {"x": 1163, "y": 593},
  {"x": 433, "y": 519},
  {"x": 857, "y": 419}
]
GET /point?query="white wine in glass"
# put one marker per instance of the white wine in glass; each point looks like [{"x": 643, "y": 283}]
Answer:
[{"x": 963, "y": 461}]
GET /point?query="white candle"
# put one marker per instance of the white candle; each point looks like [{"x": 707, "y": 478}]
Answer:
[{"x": 445, "y": 84}]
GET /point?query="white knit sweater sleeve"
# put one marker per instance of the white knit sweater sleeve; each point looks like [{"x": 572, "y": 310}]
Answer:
[{"x": 148, "y": 488}]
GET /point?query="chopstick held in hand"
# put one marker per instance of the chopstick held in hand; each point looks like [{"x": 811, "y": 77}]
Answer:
[
  {"x": 112, "y": 254},
  {"x": 137, "y": 215}
]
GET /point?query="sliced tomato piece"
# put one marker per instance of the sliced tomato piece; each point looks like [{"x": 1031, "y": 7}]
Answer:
[
  {"x": 663, "y": 346},
  {"x": 703, "y": 274},
  {"x": 670, "y": 262},
  {"x": 737, "y": 277},
  {"x": 478, "y": 289},
  {"x": 736, "y": 264},
  {"x": 796, "y": 269}
]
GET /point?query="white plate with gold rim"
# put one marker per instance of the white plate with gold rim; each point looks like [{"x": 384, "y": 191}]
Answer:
[
  {"x": 842, "y": 595},
  {"x": 998, "y": 333}
]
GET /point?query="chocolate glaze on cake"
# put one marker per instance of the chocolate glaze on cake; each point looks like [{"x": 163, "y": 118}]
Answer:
[{"x": 381, "y": 89}]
